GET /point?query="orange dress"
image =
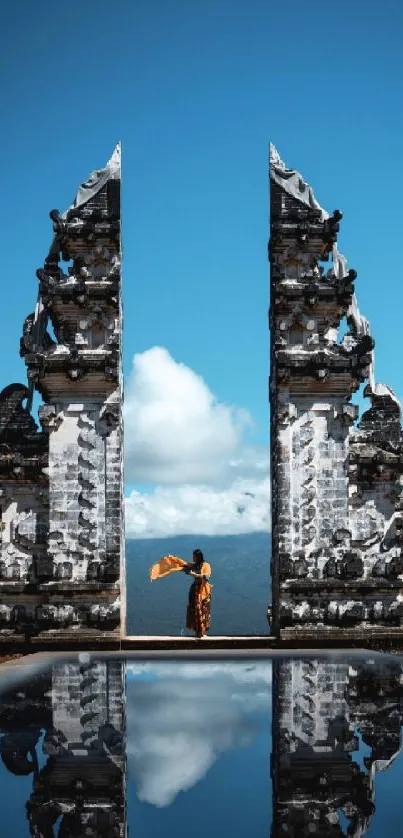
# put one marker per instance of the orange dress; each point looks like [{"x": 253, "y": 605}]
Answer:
[{"x": 198, "y": 617}]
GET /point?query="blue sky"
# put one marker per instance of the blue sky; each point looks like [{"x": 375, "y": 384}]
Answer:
[{"x": 195, "y": 91}]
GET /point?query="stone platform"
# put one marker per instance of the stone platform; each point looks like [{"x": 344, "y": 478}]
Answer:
[{"x": 224, "y": 646}]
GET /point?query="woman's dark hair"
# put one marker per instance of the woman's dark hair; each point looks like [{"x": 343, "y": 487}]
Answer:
[{"x": 198, "y": 556}]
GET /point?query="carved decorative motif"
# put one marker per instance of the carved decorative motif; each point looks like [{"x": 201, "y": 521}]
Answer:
[
  {"x": 319, "y": 707},
  {"x": 67, "y": 541},
  {"x": 83, "y": 790},
  {"x": 328, "y": 475}
]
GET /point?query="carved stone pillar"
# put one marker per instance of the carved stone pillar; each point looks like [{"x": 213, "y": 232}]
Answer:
[
  {"x": 336, "y": 489},
  {"x": 80, "y": 379}
]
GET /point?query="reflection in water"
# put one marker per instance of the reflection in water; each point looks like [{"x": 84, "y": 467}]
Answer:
[
  {"x": 198, "y": 749},
  {"x": 198, "y": 740},
  {"x": 64, "y": 726},
  {"x": 324, "y": 714},
  {"x": 183, "y": 718}
]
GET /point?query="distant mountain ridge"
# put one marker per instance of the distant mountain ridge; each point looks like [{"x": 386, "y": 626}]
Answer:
[{"x": 240, "y": 575}]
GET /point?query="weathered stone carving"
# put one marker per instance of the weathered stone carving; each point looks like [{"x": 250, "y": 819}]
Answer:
[
  {"x": 62, "y": 501},
  {"x": 24, "y": 497},
  {"x": 323, "y": 713},
  {"x": 79, "y": 779},
  {"x": 337, "y": 504}
]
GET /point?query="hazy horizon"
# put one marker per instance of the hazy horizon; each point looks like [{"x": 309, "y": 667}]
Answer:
[
  {"x": 195, "y": 536},
  {"x": 240, "y": 576}
]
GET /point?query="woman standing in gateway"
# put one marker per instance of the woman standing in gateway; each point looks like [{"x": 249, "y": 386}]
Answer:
[{"x": 198, "y": 615}]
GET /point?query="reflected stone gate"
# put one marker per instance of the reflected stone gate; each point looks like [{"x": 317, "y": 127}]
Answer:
[
  {"x": 325, "y": 713},
  {"x": 76, "y": 713}
]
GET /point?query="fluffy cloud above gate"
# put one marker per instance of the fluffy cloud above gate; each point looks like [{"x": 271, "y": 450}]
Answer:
[{"x": 178, "y": 437}]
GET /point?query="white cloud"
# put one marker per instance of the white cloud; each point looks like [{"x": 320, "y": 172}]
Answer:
[
  {"x": 200, "y": 510},
  {"x": 182, "y": 719},
  {"x": 178, "y": 436},
  {"x": 239, "y": 672},
  {"x": 176, "y": 432}
]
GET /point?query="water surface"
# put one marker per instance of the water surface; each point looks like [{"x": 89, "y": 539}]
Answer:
[{"x": 288, "y": 746}]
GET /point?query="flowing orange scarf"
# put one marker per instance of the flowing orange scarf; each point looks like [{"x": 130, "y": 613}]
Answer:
[
  {"x": 167, "y": 565},
  {"x": 171, "y": 564}
]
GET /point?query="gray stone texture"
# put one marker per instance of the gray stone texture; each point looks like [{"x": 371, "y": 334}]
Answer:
[
  {"x": 321, "y": 710},
  {"x": 79, "y": 784},
  {"x": 337, "y": 513},
  {"x": 62, "y": 527}
]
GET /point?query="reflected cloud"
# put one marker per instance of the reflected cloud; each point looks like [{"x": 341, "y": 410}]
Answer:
[
  {"x": 181, "y": 717},
  {"x": 336, "y": 723},
  {"x": 243, "y": 672}
]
